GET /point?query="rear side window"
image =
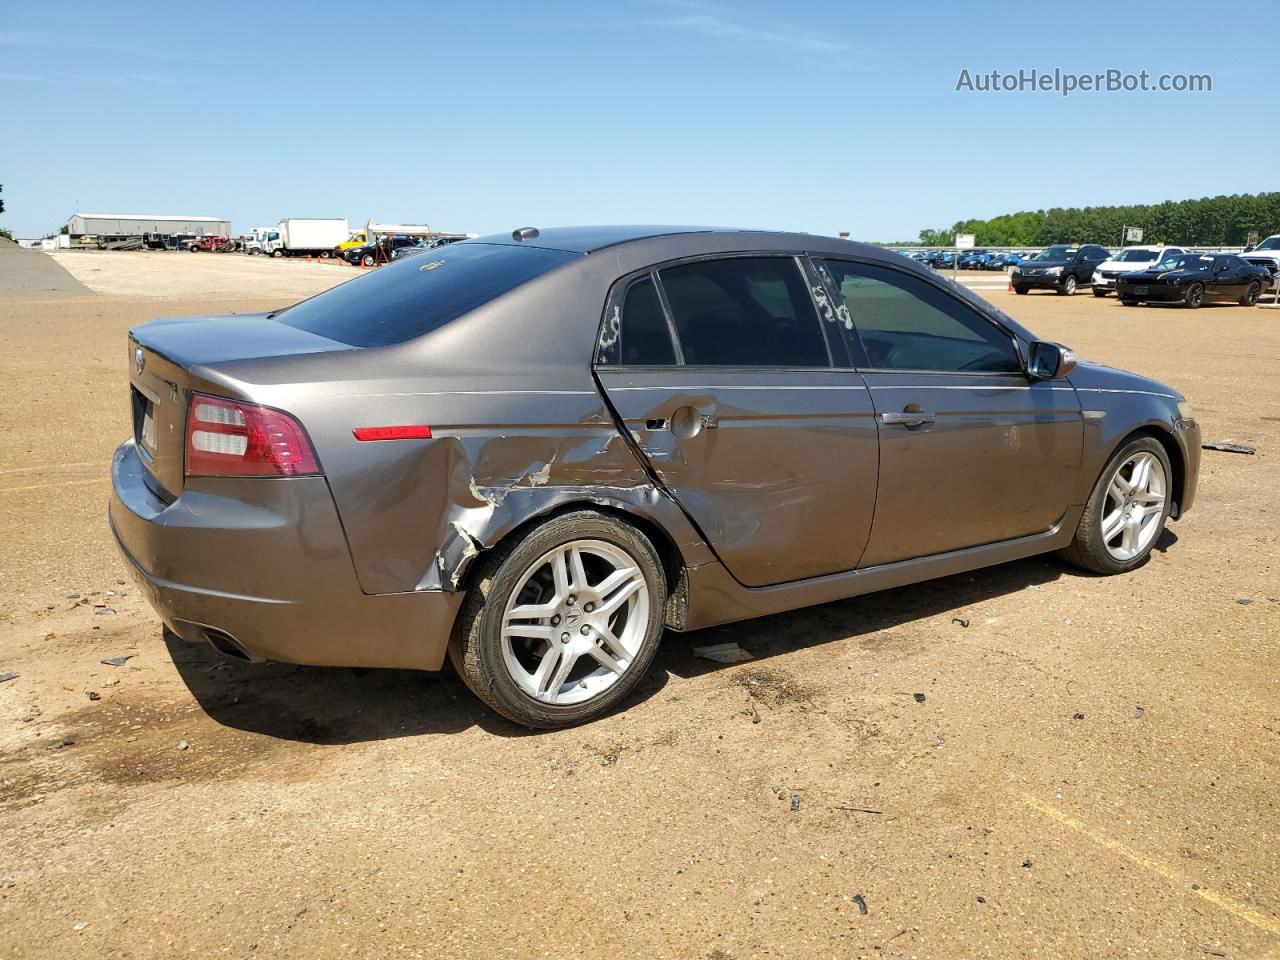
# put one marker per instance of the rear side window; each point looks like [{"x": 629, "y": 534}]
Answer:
[
  {"x": 906, "y": 323},
  {"x": 744, "y": 312},
  {"x": 637, "y": 332},
  {"x": 420, "y": 294}
]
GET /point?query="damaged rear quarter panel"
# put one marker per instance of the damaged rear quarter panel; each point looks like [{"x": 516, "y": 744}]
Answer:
[{"x": 418, "y": 512}]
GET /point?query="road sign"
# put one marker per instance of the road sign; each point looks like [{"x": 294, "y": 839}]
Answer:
[
  {"x": 1133, "y": 235},
  {"x": 965, "y": 241}
]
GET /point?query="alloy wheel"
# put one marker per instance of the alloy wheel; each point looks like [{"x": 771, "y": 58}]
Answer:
[
  {"x": 1134, "y": 506},
  {"x": 575, "y": 622}
]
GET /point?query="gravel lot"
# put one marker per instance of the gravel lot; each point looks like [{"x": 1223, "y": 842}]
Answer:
[{"x": 1091, "y": 773}]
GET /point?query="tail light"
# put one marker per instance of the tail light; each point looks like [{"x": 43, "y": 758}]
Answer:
[{"x": 230, "y": 438}]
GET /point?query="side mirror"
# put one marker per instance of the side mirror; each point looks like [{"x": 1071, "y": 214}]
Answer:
[
  {"x": 1249, "y": 249},
  {"x": 1050, "y": 361}
]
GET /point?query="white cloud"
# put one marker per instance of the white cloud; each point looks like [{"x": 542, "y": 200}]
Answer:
[{"x": 721, "y": 24}]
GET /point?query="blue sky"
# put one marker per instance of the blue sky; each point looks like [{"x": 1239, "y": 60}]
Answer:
[{"x": 821, "y": 117}]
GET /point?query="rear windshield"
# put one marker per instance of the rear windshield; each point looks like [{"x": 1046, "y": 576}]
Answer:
[{"x": 415, "y": 296}]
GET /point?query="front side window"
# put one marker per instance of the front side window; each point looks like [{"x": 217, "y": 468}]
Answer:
[
  {"x": 636, "y": 331},
  {"x": 907, "y": 323},
  {"x": 748, "y": 312}
]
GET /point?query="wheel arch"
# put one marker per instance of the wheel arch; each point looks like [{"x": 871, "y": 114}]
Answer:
[
  {"x": 672, "y": 557},
  {"x": 1177, "y": 461}
]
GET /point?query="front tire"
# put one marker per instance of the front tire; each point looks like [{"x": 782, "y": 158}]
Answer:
[
  {"x": 1129, "y": 301},
  {"x": 277, "y": 253},
  {"x": 1251, "y": 295},
  {"x": 1194, "y": 296},
  {"x": 1099, "y": 293},
  {"x": 562, "y": 624},
  {"x": 1127, "y": 510},
  {"x": 1020, "y": 291},
  {"x": 1068, "y": 286}
]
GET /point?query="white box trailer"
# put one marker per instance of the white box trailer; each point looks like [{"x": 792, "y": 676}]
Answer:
[{"x": 306, "y": 237}]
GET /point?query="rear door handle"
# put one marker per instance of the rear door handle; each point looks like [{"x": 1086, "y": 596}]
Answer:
[{"x": 906, "y": 419}]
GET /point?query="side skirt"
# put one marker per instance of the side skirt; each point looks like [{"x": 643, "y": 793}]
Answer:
[{"x": 715, "y": 597}]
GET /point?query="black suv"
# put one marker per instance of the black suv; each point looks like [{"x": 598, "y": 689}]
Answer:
[{"x": 1061, "y": 267}]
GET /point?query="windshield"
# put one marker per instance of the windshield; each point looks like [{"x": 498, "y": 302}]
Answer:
[
  {"x": 1135, "y": 256},
  {"x": 1271, "y": 243},
  {"x": 1185, "y": 261},
  {"x": 411, "y": 298},
  {"x": 1059, "y": 251}
]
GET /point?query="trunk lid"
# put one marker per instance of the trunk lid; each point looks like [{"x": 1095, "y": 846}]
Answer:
[{"x": 169, "y": 359}]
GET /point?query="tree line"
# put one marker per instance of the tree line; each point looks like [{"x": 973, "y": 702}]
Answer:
[{"x": 1210, "y": 222}]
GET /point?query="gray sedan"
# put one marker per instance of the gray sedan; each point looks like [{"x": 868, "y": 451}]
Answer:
[{"x": 534, "y": 452}]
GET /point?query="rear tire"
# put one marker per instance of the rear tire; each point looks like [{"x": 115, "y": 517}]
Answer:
[
  {"x": 1194, "y": 296},
  {"x": 1099, "y": 293},
  {"x": 1068, "y": 286},
  {"x": 1110, "y": 499},
  {"x": 508, "y": 670},
  {"x": 1020, "y": 291},
  {"x": 1129, "y": 301},
  {"x": 1251, "y": 295}
]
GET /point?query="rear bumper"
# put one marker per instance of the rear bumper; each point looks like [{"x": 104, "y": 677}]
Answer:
[{"x": 264, "y": 563}]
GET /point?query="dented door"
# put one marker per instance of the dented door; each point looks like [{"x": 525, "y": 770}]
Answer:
[{"x": 777, "y": 469}]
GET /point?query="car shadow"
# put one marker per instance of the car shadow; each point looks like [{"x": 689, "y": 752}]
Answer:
[
  {"x": 858, "y": 617},
  {"x": 329, "y": 705}
]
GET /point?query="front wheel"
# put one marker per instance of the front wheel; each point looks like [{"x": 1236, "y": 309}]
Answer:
[
  {"x": 561, "y": 625},
  {"x": 1068, "y": 286},
  {"x": 1099, "y": 292},
  {"x": 1020, "y": 291},
  {"x": 1129, "y": 301},
  {"x": 1251, "y": 295},
  {"x": 1194, "y": 296},
  {"x": 278, "y": 253},
  {"x": 367, "y": 260},
  {"x": 1126, "y": 511}
]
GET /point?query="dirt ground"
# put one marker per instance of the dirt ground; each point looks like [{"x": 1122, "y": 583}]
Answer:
[{"x": 1091, "y": 771}]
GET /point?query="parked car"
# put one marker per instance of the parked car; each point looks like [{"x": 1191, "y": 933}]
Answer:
[
  {"x": 1193, "y": 279},
  {"x": 425, "y": 244},
  {"x": 1128, "y": 260},
  {"x": 974, "y": 259},
  {"x": 541, "y": 453},
  {"x": 1266, "y": 254},
  {"x": 210, "y": 245},
  {"x": 368, "y": 254},
  {"x": 1061, "y": 267},
  {"x": 1002, "y": 260}
]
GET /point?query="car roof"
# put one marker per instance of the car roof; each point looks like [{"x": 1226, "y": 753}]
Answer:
[{"x": 591, "y": 239}]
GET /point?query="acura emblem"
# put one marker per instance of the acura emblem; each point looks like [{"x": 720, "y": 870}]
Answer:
[{"x": 139, "y": 361}]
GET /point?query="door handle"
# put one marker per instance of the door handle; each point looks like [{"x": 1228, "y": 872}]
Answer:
[{"x": 907, "y": 419}]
